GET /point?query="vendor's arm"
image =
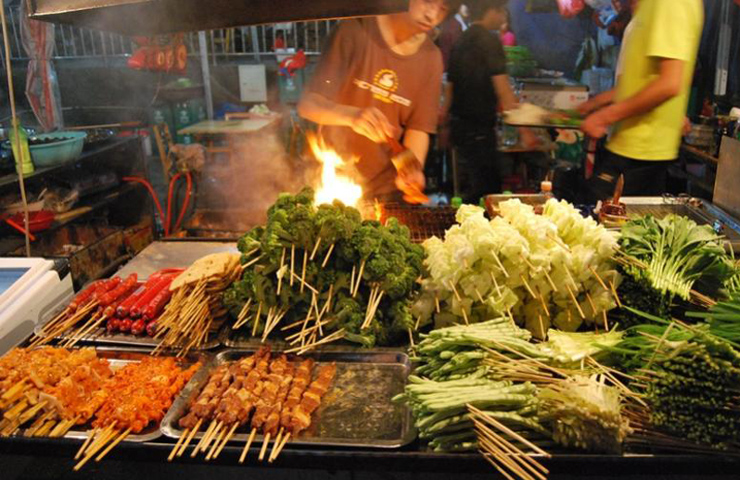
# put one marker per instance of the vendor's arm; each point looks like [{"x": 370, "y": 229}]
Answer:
[
  {"x": 418, "y": 142},
  {"x": 665, "y": 87},
  {"x": 599, "y": 101},
  {"x": 369, "y": 122}
]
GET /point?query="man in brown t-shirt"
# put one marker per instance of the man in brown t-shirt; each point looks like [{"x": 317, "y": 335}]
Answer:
[{"x": 380, "y": 77}]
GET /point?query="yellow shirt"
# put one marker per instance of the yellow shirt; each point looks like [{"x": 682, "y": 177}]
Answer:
[{"x": 662, "y": 29}]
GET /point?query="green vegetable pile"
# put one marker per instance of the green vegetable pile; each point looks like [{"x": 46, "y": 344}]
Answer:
[
  {"x": 585, "y": 413},
  {"x": 456, "y": 369},
  {"x": 692, "y": 379},
  {"x": 723, "y": 318},
  {"x": 554, "y": 269},
  {"x": 676, "y": 256},
  {"x": 322, "y": 269}
]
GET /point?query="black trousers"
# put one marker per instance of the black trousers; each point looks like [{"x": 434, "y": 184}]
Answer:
[
  {"x": 478, "y": 166},
  {"x": 641, "y": 177}
]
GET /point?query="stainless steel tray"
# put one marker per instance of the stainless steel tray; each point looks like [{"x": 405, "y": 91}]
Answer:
[
  {"x": 356, "y": 412},
  {"x": 118, "y": 358}
]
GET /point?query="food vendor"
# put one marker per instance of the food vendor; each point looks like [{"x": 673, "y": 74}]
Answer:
[
  {"x": 648, "y": 106},
  {"x": 381, "y": 77}
]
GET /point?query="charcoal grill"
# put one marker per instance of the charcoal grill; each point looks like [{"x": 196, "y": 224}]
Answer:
[{"x": 423, "y": 222}]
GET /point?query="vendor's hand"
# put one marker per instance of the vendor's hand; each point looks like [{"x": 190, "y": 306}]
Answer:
[
  {"x": 596, "y": 125},
  {"x": 411, "y": 182},
  {"x": 373, "y": 124},
  {"x": 587, "y": 107}
]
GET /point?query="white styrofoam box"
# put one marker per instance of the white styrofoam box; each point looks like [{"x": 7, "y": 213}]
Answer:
[{"x": 252, "y": 83}]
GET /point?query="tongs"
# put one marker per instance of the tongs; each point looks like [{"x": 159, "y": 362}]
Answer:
[{"x": 406, "y": 163}]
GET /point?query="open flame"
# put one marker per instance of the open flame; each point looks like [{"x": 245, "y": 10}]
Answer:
[{"x": 333, "y": 185}]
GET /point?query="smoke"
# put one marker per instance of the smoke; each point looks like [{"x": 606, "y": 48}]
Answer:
[{"x": 250, "y": 177}]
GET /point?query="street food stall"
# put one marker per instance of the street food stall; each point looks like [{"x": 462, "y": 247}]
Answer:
[{"x": 315, "y": 330}]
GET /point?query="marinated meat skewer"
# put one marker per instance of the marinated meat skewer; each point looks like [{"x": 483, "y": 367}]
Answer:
[
  {"x": 301, "y": 380},
  {"x": 300, "y": 417},
  {"x": 272, "y": 422}
]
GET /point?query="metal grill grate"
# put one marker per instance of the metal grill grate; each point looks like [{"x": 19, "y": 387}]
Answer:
[{"x": 424, "y": 222}]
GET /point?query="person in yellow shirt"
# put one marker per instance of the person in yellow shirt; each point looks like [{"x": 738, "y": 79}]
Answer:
[{"x": 648, "y": 106}]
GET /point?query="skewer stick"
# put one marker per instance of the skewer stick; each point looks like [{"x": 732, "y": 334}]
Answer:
[
  {"x": 176, "y": 448},
  {"x": 247, "y": 445},
  {"x": 465, "y": 316},
  {"x": 190, "y": 437},
  {"x": 264, "y": 446},
  {"x": 526, "y": 284},
  {"x": 256, "y": 320},
  {"x": 614, "y": 292},
  {"x": 308, "y": 285},
  {"x": 203, "y": 438},
  {"x": 359, "y": 278},
  {"x": 480, "y": 297},
  {"x": 436, "y": 303},
  {"x": 591, "y": 303},
  {"x": 251, "y": 262},
  {"x": 454, "y": 290},
  {"x": 84, "y": 446},
  {"x": 226, "y": 440},
  {"x": 575, "y": 300},
  {"x": 500, "y": 265},
  {"x": 544, "y": 304},
  {"x": 216, "y": 442},
  {"x": 292, "y": 263},
  {"x": 113, "y": 444},
  {"x": 352, "y": 280},
  {"x": 598, "y": 277},
  {"x": 606, "y": 322},
  {"x": 213, "y": 436},
  {"x": 303, "y": 275},
  {"x": 280, "y": 448},
  {"x": 280, "y": 276},
  {"x": 549, "y": 280},
  {"x": 542, "y": 326},
  {"x": 315, "y": 248},
  {"x": 328, "y": 254},
  {"x": 275, "y": 445},
  {"x": 31, "y": 412}
]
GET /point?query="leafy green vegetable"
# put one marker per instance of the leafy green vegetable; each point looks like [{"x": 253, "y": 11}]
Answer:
[
  {"x": 340, "y": 244},
  {"x": 676, "y": 255}
]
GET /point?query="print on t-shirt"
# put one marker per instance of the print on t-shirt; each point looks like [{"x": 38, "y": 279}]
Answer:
[{"x": 383, "y": 86}]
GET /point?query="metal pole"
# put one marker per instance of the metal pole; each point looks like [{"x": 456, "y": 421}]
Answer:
[
  {"x": 205, "y": 69},
  {"x": 14, "y": 115},
  {"x": 723, "y": 50}
]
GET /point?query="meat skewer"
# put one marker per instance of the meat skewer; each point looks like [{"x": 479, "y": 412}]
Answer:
[
  {"x": 300, "y": 382},
  {"x": 300, "y": 418},
  {"x": 273, "y": 418}
]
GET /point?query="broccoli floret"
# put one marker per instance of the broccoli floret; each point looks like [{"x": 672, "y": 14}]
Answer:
[{"x": 305, "y": 197}]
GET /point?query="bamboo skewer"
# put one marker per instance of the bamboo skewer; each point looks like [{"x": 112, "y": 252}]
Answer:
[
  {"x": 328, "y": 254},
  {"x": 247, "y": 445},
  {"x": 359, "y": 278},
  {"x": 575, "y": 301},
  {"x": 275, "y": 445},
  {"x": 179, "y": 443},
  {"x": 315, "y": 248},
  {"x": 190, "y": 437},
  {"x": 115, "y": 442},
  {"x": 280, "y": 272},
  {"x": 216, "y": 442},
  {"x": 292, "y": 263},
  {"x": 206, "y": 434},
  {"x": 280, "y": 448},
  {"x": 303, "y": 274},
  {"x": 264, "y": 447},
  {"x": 226, "y": 440},
  {"x": 84, "y": 446}
]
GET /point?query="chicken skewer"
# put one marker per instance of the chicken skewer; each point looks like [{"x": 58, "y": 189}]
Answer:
[
  {"x": 300, "y": 417},
  {"x": 299, "y": 385}
]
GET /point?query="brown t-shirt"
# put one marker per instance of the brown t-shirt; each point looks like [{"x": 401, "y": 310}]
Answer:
[{"x": 360, "y": 69}]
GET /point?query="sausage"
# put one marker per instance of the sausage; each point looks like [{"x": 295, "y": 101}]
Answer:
[
  {"x": 125, "y": 325},
  {"x": 151, "y": 328},
  {"x": 119, "y": 291},
  {"x": 105, "y": 287},
  {"x": 84, "y": 295},
  {"x": 113, "y": 325},
  {"x": 124, "y": 307},
  {"x": 138, "y": 327},
  {"x": 157, "y": 304},
  {"x": 138, "y": 309}
]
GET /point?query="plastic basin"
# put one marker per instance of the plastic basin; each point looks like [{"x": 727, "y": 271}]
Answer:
[{"x": 67, "y": 149}]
